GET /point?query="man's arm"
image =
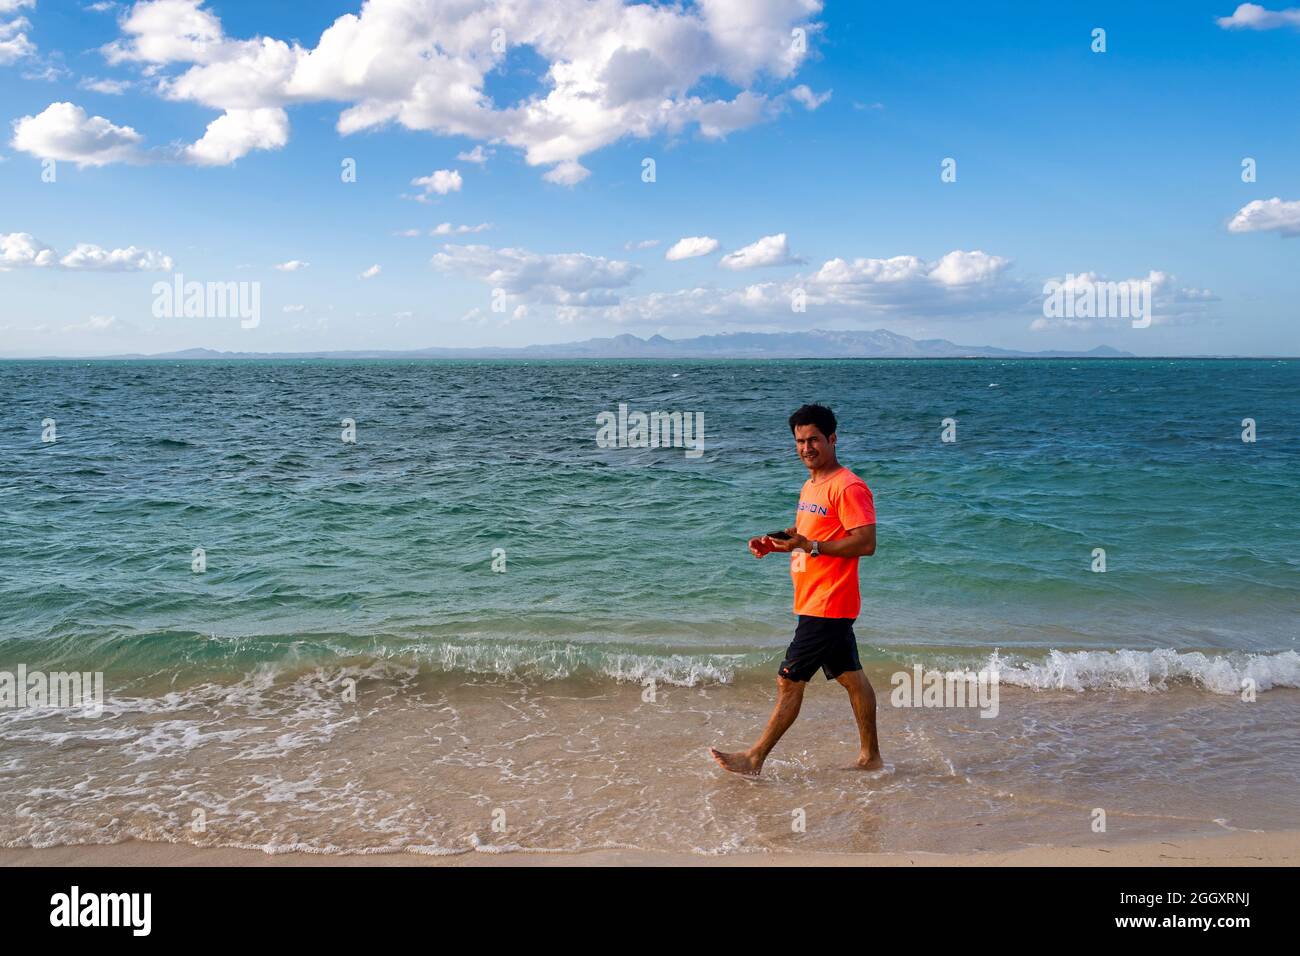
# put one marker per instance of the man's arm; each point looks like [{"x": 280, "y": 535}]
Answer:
[{"x": 859, "y": 542}]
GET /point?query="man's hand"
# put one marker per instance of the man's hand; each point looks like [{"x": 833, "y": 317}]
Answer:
[
  {"x": 796, "y": 542},
  {"x": 859, "y": 542}
]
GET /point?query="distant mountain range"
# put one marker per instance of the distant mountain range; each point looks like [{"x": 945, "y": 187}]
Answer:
[{"x": 743, "y": 345}]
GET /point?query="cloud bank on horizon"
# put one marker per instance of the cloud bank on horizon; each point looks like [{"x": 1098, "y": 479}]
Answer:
[{"x": 506, "y": 115}]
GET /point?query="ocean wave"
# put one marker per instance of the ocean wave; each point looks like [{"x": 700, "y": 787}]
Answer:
[
  {"x": 1137, "y": 670},
  {"x": 548, "y": 661},
  {"x": 1148, "y": 670},
  {"x": 230, "y": 670}
]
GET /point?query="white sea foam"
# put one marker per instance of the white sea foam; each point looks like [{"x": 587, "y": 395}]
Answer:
[
  {"x": 679, "y": 669},
  {"x": 1149, "y": 670},
  {"x": 557, "y": 662}
]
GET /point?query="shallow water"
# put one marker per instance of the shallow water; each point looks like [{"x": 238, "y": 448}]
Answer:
[{"x": 427, "y": 763}]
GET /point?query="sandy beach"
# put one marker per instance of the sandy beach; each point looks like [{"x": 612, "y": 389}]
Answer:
[
  {"x": 1229, "y": 849},
  {"x": 424, "y": 768}
]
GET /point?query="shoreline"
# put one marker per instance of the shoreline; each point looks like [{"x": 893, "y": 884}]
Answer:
[{"x": 1278, "y": 848}]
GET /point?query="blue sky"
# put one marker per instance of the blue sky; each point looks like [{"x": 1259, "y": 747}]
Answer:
[{"x": 793, "y": 167}]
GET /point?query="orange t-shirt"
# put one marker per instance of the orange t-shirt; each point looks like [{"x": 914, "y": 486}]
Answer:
[{"x": 827, "y": 586}]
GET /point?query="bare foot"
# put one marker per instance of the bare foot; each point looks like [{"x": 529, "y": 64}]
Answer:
[
  {"x": 741, "y": 763},
  {"x": 867, "y": 762}
]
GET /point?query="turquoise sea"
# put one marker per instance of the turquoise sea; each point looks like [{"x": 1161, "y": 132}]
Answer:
[{"x": 370, "y": 565}]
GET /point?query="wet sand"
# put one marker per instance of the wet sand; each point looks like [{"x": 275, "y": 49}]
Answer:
[
  {"x": 420, "y": 768},
  {"x": 1229, "y": 849}
]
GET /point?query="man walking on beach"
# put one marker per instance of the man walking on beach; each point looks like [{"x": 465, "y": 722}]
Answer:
[{"x": 834, "y": 526}]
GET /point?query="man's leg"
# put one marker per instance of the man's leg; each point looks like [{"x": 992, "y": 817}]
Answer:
[
  {"x": 789, "y": 697},
  {"x": 863, "y": 699}
]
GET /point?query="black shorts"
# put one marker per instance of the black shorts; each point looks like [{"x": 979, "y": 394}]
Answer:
[{"x": 825, "y": 642}]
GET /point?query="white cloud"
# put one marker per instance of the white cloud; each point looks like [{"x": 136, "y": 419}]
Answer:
[
  {"x": 1169, "y": 302},
  {"x": 13, "y": 6},
  {"x": 64, "y": 132},
  {"x": 476, "y": 155},
  {"x": 22, "y": 249},
  {"x": 441, "y": 181},
  {"x": 237, "y": 75},
  {"x": 371, "y": 272},
  {"x": 166, "y": 31},
  {"x": 294, "y": 308},
  {"x": 643, "y": 244},
  {"x": 569, "y": 172},
  {"x": 236, "y": 133},
  {"x": 955, "y": 286},
  {"x": 47, "y": 73},
  {"x": 91, "y": 257},
  {"x": 958, "y": 275},
  {"x": 98, "y": 323},
  {"x": 721, "y": 117},
  {"x": 14, "y": 43},
  {"x": 768, "y": 251},
  {"x": 108, "y": 87},
  {"x": 614, "y": 69},
  {"x": 964, "y": 268},
  {"x": 293, "y": 265},
  {"x": 570, "y": 278},
  {"x": 956, "y": 281},
  {"x": 808, "y": 98},
  {"x": 690, "y": 247},
  {"x": 1268, "y": 215},
  {"x": 447, "y": 229},
  {"x": 408, "y": 233},
  {"x": 1251, "y": 16}
]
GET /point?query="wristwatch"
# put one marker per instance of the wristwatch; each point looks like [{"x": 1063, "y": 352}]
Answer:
[{"x": 816, "y": 549}]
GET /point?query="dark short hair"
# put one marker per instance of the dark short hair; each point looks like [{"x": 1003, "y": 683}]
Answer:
[{"x": 818, "y": 415}]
